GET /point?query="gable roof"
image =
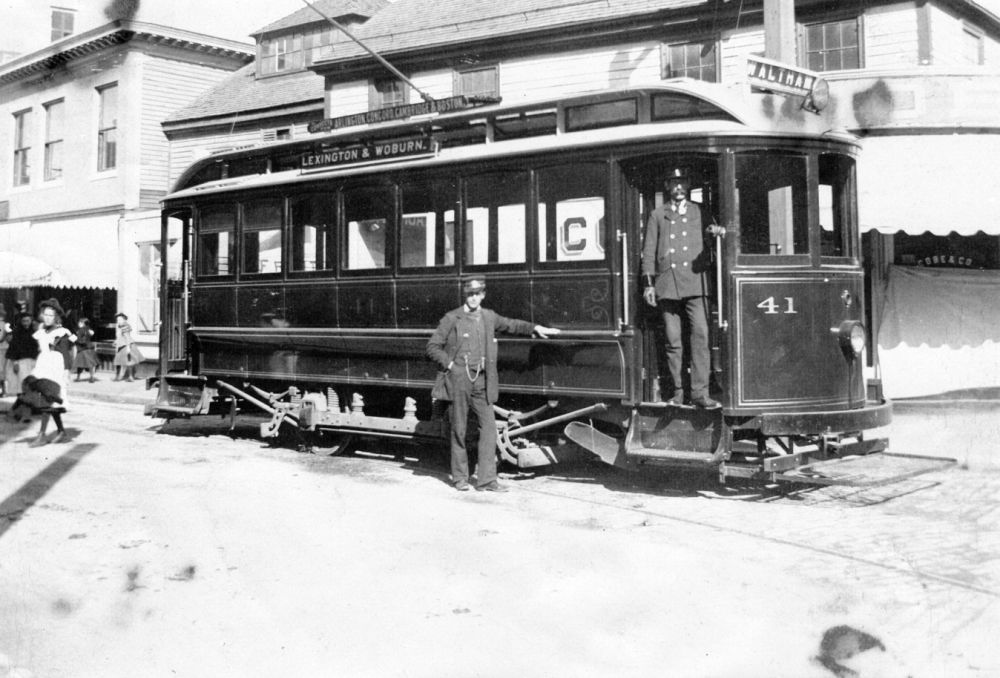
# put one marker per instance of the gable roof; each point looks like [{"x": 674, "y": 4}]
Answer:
[
  {"x": 411, "y": 25},
  {"x": 243, "y": 92},
  {"x": 332, "y": 8}
]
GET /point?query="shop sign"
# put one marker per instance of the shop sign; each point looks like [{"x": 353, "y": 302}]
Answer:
[{"x": 378, "y": 151}]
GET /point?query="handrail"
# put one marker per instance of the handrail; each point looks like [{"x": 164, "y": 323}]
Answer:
[{"x": 623, "y": 239}]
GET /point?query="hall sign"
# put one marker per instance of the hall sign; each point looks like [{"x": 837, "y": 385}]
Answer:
[
  {"x": 371, "y": 152},
  {"x": 456, "y": 103}
]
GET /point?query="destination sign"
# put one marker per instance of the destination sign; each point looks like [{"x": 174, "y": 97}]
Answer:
[
  {"x": 371, "y": 152},
  {"x": 784, "y": 79},
  {"x": 457, "y": 103}
]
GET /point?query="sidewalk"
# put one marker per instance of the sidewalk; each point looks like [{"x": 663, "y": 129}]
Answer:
[{"x": 104, "y": 388}]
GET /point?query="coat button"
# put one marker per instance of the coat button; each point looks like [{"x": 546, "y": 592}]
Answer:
[
  {"x": 673, "y": 265},
  {"x": 672, "y": 236},
  {"x": 685, "y": 249},
  {"x": 672, "y": 250},
  {"x": 684, "y": 264},
  {"x": 684, "y": 232}
]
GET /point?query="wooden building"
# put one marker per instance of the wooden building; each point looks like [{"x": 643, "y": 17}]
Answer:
[{"x": 84, "y": 162}]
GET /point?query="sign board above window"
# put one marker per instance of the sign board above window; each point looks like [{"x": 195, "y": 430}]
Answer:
[{"x": 447, "y": 105}]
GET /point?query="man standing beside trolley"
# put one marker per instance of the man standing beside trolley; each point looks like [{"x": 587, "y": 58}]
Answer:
[
  {"x": 464, "y": 347},
  {"x": 674, "y": 260}
]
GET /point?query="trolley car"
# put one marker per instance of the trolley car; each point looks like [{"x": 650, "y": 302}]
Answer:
[{"x": 314, "y": 271}]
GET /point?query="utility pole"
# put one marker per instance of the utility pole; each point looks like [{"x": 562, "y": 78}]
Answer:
[{"x": 779, "y": 30}]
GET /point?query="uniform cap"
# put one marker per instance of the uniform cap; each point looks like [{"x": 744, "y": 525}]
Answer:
[
  {"x": 473, "y": 286},
  {"x": 677, "y": 173}
]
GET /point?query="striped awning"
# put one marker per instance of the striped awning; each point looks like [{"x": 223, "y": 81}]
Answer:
[{"x": 21, "y": 270}]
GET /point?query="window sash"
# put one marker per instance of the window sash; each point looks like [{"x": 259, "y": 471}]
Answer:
[
  {"x": 698, "y": 60},
  {"x": 833, "y": 46},
  {"x": 22, "y": 148},
  {"x": 54, "y": 130},
  {"x": 483, "y": 82},
  {"x": 107, "y": 137}
]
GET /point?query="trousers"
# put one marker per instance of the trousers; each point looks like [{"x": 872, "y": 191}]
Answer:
[
  {"x": 674, "y": 311},
  {"x": 471, "y": 395}
]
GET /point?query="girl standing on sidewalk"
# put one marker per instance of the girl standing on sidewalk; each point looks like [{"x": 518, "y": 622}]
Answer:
[
  {"x": 127, "y": 354},
  {"x": 86, "y": 354}
]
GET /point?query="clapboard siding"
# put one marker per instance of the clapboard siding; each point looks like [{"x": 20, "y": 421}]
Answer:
[
  {"x": 890, "y": 36},
  {"x": 736, "y": 47},
  {"x": 167, "y": 85}
]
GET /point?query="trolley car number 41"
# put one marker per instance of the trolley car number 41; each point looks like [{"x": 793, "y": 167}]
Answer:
[{"x": 770, "y": 306}]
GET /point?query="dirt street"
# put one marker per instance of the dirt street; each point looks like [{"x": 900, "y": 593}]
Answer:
[{"x": 133, "y": 552}]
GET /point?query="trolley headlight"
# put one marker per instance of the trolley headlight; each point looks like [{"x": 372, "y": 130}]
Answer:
[{"x": 851, "y": 334}]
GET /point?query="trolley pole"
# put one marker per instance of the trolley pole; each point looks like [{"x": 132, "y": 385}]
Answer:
[{"x": 779, "y": 30}]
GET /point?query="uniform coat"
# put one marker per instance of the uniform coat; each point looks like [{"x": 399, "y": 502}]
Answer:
[
  {"x": 449, "y": 341},
  {"x": 674, "y": 252}
]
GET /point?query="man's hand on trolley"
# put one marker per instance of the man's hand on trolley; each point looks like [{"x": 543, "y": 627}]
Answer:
[{"x": 546, "y": 332}]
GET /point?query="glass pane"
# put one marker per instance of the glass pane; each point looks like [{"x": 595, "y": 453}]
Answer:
[
  {"x": 368, "y": 213},
  {"x": 312, "y": 223},
  {"x": 571, "y": 213},
  {"x": 773, "y": 203},
  {"x": 53, "y": 160},
  {"x": 836, "y": 215},
  {"x": 54, "y": 121},
  {"x": 109, "y": 107},
  {"x": 215, "y": 241},
  {"x": 428, "y": 226},
  {"x": 262, "y": 236},
  {"x": 496, "y": 216},
  {"x": 601, "y": 114}
]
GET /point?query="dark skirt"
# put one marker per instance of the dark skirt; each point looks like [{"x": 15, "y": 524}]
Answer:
[
  {"x": 126, "y": 356},
  {"x": 86, "y": 359}
]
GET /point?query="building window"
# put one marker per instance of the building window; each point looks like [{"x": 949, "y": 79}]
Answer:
[
  {"x": 54, "y": 116},
  {"x": 833, "y": 46},
  {"x": 386, "y": 93},
  {"x": 62, "y": 23},
  {"x": 281, "y": 54},
  {"x": 316, "y": 44},
  {"x": 972, "y": 47},
  {"x": 107, "y": 128},
  {"x": 482, "y": 81},
  {"x": 698, "y": 60},
  {"x": 22, "y": 148}
]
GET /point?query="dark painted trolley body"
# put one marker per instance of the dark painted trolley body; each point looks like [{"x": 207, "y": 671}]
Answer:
[{"x": 312, "y": 276}]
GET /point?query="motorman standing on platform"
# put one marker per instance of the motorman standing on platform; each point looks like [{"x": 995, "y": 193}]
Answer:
[
  {"x": 674, "y": 261},
  {"x": 465, "y": 349}
]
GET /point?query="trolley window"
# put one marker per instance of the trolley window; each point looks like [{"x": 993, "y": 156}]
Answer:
[
  {"x": 312, "y": 219},
  {"x": 773, "y": 204},
  {"x": 262, "y": 236},
  {"x": 368, "y": 212},
  {"x": 427, "y": 229},
  {"x": 496, "y": 218},
  {"x": 571, "y": 202},
  {"x": 837, "y": 218},
  {"x": 216, "y": 232},
  {"x": 602, "y": 114}
]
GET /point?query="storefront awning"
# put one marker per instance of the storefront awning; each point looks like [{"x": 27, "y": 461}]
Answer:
[
  {"x": 81, "y": 252},
  {"x": 938, "y": 184},
  {"x": 20, "y": 270}
]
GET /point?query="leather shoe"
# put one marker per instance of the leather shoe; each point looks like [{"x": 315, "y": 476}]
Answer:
[
  {"x": 492, "y": 487},
  {"x": 705, "y": 403},
  {"x": 677, "y": 400},
  {"x": 462, "y": 486}
]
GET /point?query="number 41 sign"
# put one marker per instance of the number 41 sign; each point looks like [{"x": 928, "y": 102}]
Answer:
[{"x": 770, "y": 306}]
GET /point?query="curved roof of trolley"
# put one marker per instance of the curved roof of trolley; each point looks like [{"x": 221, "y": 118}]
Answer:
[
  {"x": 430, "y": 27},
  {"x": 739, "y": 113},
  {"x": 246, "y": 95}
]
